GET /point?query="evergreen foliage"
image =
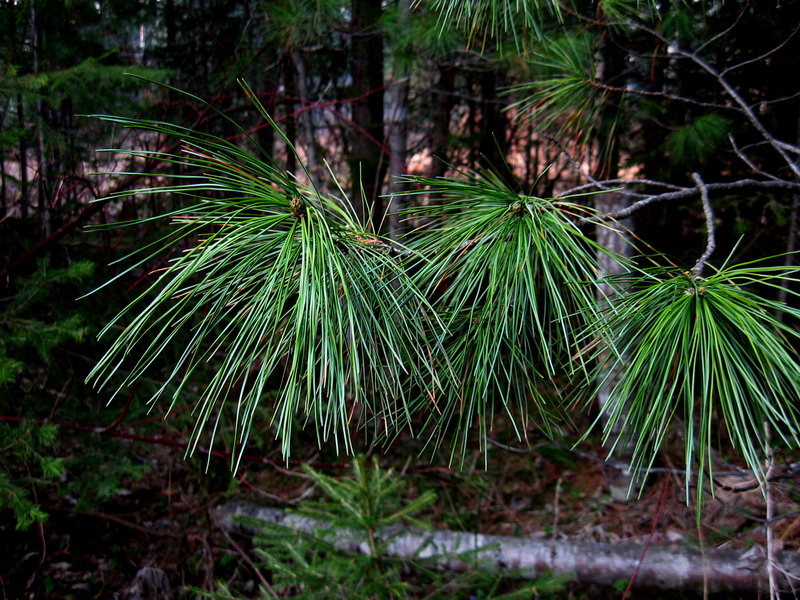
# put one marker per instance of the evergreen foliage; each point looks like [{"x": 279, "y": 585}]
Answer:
[
  {"x": 38, "y": 331},
  {"x": 24, "y": 446},
  {"x": 561, "y": 94},
  {"x": 369, "y": 509},
  {"x": 279, "y": 297},
  {"x": 489, "y": 307},
  {"x": 491, "y": 20},
  {"x": 21, "y": 329},
  {"x": 494, "y": 261},
  {"x": 701, "y": 138},
  {"x": 711, "y": 350},
  {"x": 308, "y": 298}
]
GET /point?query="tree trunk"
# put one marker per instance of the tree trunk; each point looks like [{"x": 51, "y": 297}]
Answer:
[
  {"x": 3, "y": 188},
  {"x": 367, "y": 162},
  {"x": 661, "y": 567},
  {"x": 289, "y": 122},
  {"x": 494, "y": 136},
  {"x": 397, "y": 134},
  {"x": 440, "y": 121},
  {"x": 265, "y": 134},
  {"x": 24, "y": 189},
  {"x": 305, "y": 117},
  {"x": 612, "y": 68}
]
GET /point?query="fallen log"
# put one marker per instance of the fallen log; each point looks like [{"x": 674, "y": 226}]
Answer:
[{"x": 662, "y": 567}]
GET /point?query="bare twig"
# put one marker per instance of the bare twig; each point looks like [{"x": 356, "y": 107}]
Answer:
[
  {"x": 685, "y": 193},
  {"x": 711, "y": 242},
  {"x": 746, "y": 109},
  {"x": 659, "y": 507},
  {"x": 42, "y": 539},
  {"x": 746, "y": 160},
  {"x": 725, "y": 31},
  {"x": 663, "y": 95},
  {"x": 788, "y": 471},
  {"x": 620, "y": 181},
  {"x": 135, "y": 526},
  {"x": 774, "y": 594},
  {"x": 556, "y": 508},
  {"x": 576, "y": 165},
  {"x": 248, "y": 561},
  {"x": 788, "y": 147},
  {"x": 766, "y": 54},
  {"x": 778, "y": 145}
]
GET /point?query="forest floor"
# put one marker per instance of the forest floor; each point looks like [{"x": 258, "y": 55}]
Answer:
[{"x": 166, "y": 519}]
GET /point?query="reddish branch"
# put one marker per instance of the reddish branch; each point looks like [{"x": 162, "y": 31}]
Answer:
[
  {"x": 114, "y": 431},
  {"x": 82, "y": 218},
  {"x": 88, "y": 211}
]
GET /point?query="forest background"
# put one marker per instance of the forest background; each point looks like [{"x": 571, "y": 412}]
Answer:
[{"x": 660, "y": 106}]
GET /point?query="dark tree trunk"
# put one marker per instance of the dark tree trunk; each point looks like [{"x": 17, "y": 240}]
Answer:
[
  {"x": 367, "y": 162},
  {"x": 3, "y": 189},
  {"x": 397, "y": 137},
  {"x": 265, "y": 134},
  {"x": 24, "y": 190},
  {"x": 290, "y": 122},
  {"x": 169, "y": 25},
  {"x": 493, "y": 128},
  {"x": 305, "y": 118},
  {"x": 440, "y": 121}
]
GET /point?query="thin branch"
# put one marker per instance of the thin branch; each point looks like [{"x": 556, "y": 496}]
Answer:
[
  {"x": 751, "y": 116},
  {"x": 729, "y": 89},
  {"x": 659, "y": 508},
  {"x": 711, "y": 242},
  {"x": 576, "y": 165},
  {"x": 770, "y": 532},
  {"x": 749, "y": 162},
  {"x": 766, "y": 54},
  {"x": 663, "y": 95},
  {"x": 725, "y": 32},
  {"x": 606, "y": 183},
  {"x": 685, "y": 193},
  {"x": 247, "y": 560},
  {"x": 784, "y": 472},
  {"x": 789, "y": 147},
  {"x": 135, "y": 526}
]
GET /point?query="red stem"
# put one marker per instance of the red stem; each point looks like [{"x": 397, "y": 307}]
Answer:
[{"x": 656, "y": 517}]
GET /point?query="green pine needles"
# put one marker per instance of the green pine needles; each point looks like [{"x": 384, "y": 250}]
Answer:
[
  {"x": 495, "y": 20},
  {"x": 708, "y": 350},
  {"x": 508, "y": 274},
  {"x": 564, "y": 96},
  {"x": 285, "y": 295},
  {"x": 280, "y": 287}
]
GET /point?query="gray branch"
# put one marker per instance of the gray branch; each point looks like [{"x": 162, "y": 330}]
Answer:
[
  {"x": 686, "y": 193},
  {"x": 711, "y": 242},
  {"x": 660, "y": 567}
]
